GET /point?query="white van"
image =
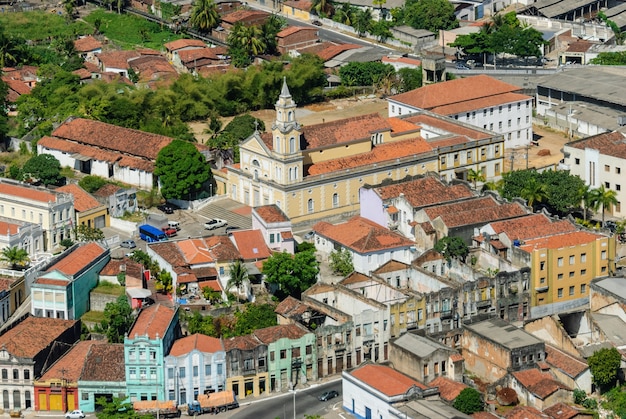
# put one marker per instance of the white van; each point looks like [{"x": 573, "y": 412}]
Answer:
[{"x": 174, "y": 224}]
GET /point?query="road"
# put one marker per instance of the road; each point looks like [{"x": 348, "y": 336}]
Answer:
[{"x": 282, "y": 406}]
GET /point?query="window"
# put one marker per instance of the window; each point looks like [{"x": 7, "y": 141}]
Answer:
[
  {"x": 219, "y": 369},
  {"x": 309, "y": 349},
  {"x": 496, "y": 168},
  {"x": 607, "y": 185},
  {"x": 490, "y": 111},
  {"x": 603, "y": 255},
  {"x": 500, "y": 125},
  {"x": 292, "y": 145},
  {"x": 577, "y": 161},
  {"x": 310, "y": 206},
  {"x": 618, "y": 187},
  {"x": 560, "y": 276},
  {"x": 509, "y": 107},
  {"x": 583, "y": 272},
  {"x": 491, "y": 126},
  {"x": 542, "y": 265},
  {"x": 195, "y": 370},
  {"x": 272, "y": 356},
  {"x": 572, "y": 259},
  {"x": 132, "y": 373},
  {"x": 571, "y": 290},
  {"x": 443, "y": 160},
  {"x": 181, "y": 372},
  {"x": 425, "y": 370},
  {"x": 283, "y": 354},
  {"x": 607, "y": 168},
  {"x": 618, "y": 170},
  {"x": 335, "y": 200},
  {"x": 559, "y": 262},
  {"x": 542, "y": 280},
  {"x": 560, "y": 292},
  {"x": 583, "y": 288},
  {"x": 207, "y": 370},
  {"x": 571, "y": 274},
  {"x": 499, "y": 109},
  {"x": 26, "y": 374},
  {"x": 358, "y": 330},
  {"x": 170, "y": 373},
  {"x": 509, "y": 123},
  {"x": 295, "y": 352},
  {"x": 527, "y": 119}
]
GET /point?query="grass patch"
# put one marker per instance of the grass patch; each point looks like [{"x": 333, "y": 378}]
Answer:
[
  {"x": 109, "y": 288},
  {"x": 93, "y": 316},
  {"x": 41, "y": 26}
]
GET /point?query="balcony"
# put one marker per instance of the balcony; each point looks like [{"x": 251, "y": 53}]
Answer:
[
  {"x": 543, "y": 288},
  {"x": 252, "y": 371},
  {"x": 444, "y": 315},
  {"x": 483, "y": 303}
]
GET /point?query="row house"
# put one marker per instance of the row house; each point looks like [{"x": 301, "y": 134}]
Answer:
[
  {"x": 62, "y": 291},
  {"x": 246, "y": 366},
  {"x": 481, "y": 101},
  {"x": 275, "y": 227},
  {"x": 89, "y": 212},
  {"x": 27, "y": 350},
  {"x": 52, "y": 210},
  {"x": 195, "y": 365},
  {"x": 150, "y": 339}
]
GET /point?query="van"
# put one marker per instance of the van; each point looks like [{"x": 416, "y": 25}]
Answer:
[{"x": 174, "y": 224}]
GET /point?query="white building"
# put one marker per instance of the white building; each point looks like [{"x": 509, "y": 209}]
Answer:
[
  {"x": 370, "y": 244},
  {"x": 599, "y": 161},
  {"x": 275, "y": 227},
  {"x": 481, "y": 101}
]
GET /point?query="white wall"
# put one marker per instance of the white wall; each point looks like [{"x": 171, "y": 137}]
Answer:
[{"x": 358, "y": 399}]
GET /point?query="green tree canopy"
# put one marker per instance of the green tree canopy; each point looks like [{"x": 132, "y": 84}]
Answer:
[
  {"x": 117, "y": 408},
  {"x": 469, "y": 401},
  {"x": 84, "y": 233},
  {"x": 292, "y": 274},
  {"x": 253, "y": 317},
  {"x": 182, "y": 170},
  {"x": 602, "y": 198},
  {"x": 410, "y": 78},
  {"x": 204, "y": 15},
  {"x": 43, "y": 167},
  {"x": 91, "y": 183},
  {"x": 341, "y": 262},
  {"x": 610, "y": 58},
  {"x": 15, "y": 256},
  {"x": 117, "y": 320},
  {"x": 364, "y": 74},
  {"x": 604, "y": 365},
  {"x": 432, "y": 15},
  {"x": 451, "y": 247}
]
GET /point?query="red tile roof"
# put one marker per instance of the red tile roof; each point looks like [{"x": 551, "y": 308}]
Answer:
[
  {"x": 251, "y": 244},
  {"x": 8, "y": 228},
  {"x": 52, "y": 281},
  {"x": 287, "y": 305},
  {"x": 480, "y": 103},
  {"x": 541, "y": 384},
  {"x": 561, "y": 411},
  {"x": 425, "y": 191},
  {"x": 242, "y": 343},
  {"x": 244, "y": 16},
  {"x": 299, "y": 4},
  {"x": 152, "y": 321},
  {"x": 271, "y": 214},
  {"x": 272, "y": 334},
  {"x": 403, "y": 60},
  {"x": 448, "y": 126},
  {"x": 570, "y": 365},
  {"x": 197, "y": 341},
  {"x": 86, "y": 44},
  {"x": 473, "y": 211},
  {"x": 116, "y": 59},
  {"x": 574, "y": 238},
  {"x": 187, "y": 56},
  {"x": 343, "y": 130},
  {"x": 70, "y": 365},
  {"x": 83, "y": 73},
  {"x": 198, "y": 251},
  {"x": 333, "y": 50},
  {"x": 212, "y": 284},
  {"x": 290, "y": 30},
  {"x": 525, "y": 412},
  {"x": 27, "y": 192},
  {"x": 184, "y": 43},
  {"x": 531, "y": 226},
  {"x": 379, "y": 154},
  {"x": 454, "y": 91},
  {"x": 385, "y": 379},
  {"x": 362, "y": 235},
  {"x": 402, "y": 126},
  {"x": 392, "y": 266},
  {"x": 33, "y": 335},
  {"x": 83, "y": 201},
  {"x": 79, "y": 259},
  {"x": 448, "y": 389},
  {"x": 105, "y": 362},
  {"x": 610, "y": 144}
]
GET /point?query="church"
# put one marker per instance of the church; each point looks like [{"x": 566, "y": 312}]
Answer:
[{"x": 315, "y": 172}]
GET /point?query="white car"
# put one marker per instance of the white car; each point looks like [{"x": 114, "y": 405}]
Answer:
[
  {"x": 215, "y": 223},
  {"x": 75, "y": 414}
]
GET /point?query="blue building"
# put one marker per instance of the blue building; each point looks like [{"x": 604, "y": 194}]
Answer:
[
  {"x": 151, "y": 337},
  {"x": 195, "y": 365}
]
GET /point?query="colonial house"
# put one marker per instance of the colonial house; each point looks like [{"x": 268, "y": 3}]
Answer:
[
  {"x": 54, "y": 211},
  {"x": 89, "y": 212},
  {"x": 117, "y": 199},
  {"x": 275, "y": 227},
  {"x": 539, "y": 389},
  {"x": 102, "y": 375},
  {"x": 482, "y": 101},
  {"x": 570, "y": 370},
  {"x": 87, "y": 47},
  {"x": 195, "y": 365},
  {"x": 245, "y": 17},
  {"x": 62, "y": 292},
  {"x": 370, "y": 245},
  {"x": 151, "y": 337},
  {"x": 195, "y": 60},
  {"x": 315, "y": 172},
  {"x": 246, "y": 366},
  {"x": 173, "y": 49},
  {"x": 20, "y": 234},
  {"x": 12, "y": 295},
  {"x": 111, "y": 152},
  {"x": 26, "y": 351}
]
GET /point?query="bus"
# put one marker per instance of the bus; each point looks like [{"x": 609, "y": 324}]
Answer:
[{"x": 151, "y": 234}]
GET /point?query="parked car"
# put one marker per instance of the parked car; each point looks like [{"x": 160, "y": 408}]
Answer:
[
  {"x": 326, "y": 396},
  {"x": 215, "y": 223},
  {"x": 316, "y": 22},
  {"x": 75, "y": 414},
  {"x": 129, "y": 244},
  {"x": 166, "y": 208},
  {"x": 309, "y": 235},
  {"x": 461, "y": 66},
  {"x": 169, "y": 232}
]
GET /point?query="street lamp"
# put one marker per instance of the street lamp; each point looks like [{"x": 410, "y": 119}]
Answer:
[{"x": 292, "y": 388}]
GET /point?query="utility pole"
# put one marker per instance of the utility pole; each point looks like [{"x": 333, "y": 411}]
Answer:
[{"x": 512, "y": 159}]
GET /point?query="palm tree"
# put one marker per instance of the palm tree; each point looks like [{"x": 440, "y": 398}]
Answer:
[
  {"x": 345, "y": 14},
  {"x": 238, "y": 275},
  {"x": 322, "y": 7},
  {"x": 586, "y": 200},
  {"x": 534, "y": 192},
  {"x": 15, "y": 256},
  {"x": 248, "y": 38},
  {"x": 475, "y": 176},
  {"x": 363, "y": 21},
  {"x": 494, "y": 186},
  {"x": 204, "y": 16},
  {"x": 603, "y": 198}
]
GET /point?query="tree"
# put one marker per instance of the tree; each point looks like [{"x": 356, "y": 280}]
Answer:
[
  {"x": 619, "y": 35},
  {"x": 610, "y": 58},
  {"x": 469, "y": 401},
  {"x": 603, "y": 198},
  {"x": 182, "y": 170},
  {"x": 363, "y": 21},
  {"x": 292, "y": 274},
  {"x": 345, "y": 14},
  {"x": 238, "y": 275},
  {"x": 91, "y": 183},
  {"x": 451, "y": 247},
  {"x": 228, "y": 140},
  {"x": 255, "y": 316},
  {"x": 364, "y": 74},
  {"x": 164, "y": 282},
  {"x": 533, "y": 192},
  {"x": 44, "y": 168},
  {"x": 198, "y": 323},
  {"x": 475, "y": 176},
  {"x": 117, "y": 320},
  {"x": 410, "y": 78},
  {"x": 341, "y": 262},
  {"x": 322, "y": 8},
  {"x": 604, "y": 365},
  {"x": 4, "y": 117},
  {"x": 204, "y": 15},
  {"x": 84, "y": 233},
  {"x": 15, "y": 256},
  {"x": 380, "y": 29},
  {"x": 270, "y": 28},
  {"x": 247, "y": 40},
  {"x": 432, "y": 15},
  {"x": 117, "y": 408}
]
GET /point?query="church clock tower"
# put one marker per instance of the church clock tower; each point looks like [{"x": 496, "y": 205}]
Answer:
[{"x": 286, "y": 133}]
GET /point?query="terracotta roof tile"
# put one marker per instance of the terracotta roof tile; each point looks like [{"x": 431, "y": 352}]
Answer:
[
  {"x": 425, "y": 191},
  {"x": 428, "y": 256},
  {"x": 271, "y": 214},
  {"x": 5, "y": 283},
  {"x": 79, "y": 259},
  {"x": 404, "y": 60},
  {"x": 570, "y": 365},
  {"x": 290, "y": 30},
  {"x": 484, "y": 415},
  {"x": 561, "y": 411},
  {"x": 525, "y": 412},
  {"x": 402, "y": 125},
  {"x": 287, "y": 305},
  {"x": 299, "y": 4},
  {"x": 448, "y": 389},
  {"x": 333, "y": 50},
  {"x": 286, "y": 235},
  {"x": 28, "y": 192},
  {"x": 449, "y": 126},
  {"x": 70, "y": 365},
  {"x": 610, "y": 144},
  {"x": 343, "y": 130},
  {"x": 83, "y": 201},
  {"x": 107, "y": 190},
  {"x": 213, "y": 284},
  {"x": 204, "y": 272},
  {"x": 385, "y": 379},
  {"x": 116, "y": 59},
  {"x": 245, "y": 16},
  {"x": 58, "y": 282},
  {"x": 558, "y": 241},
  {"x": 105, "y": 362},
  {"x": 197, "y": 341},
  {"x": 33, "y": 335},
  {"x": 541, "y": 384},
  {"x": 272, "y": 334},
  {"x": 473, "y": 211},
  {"x": 580, "y": 46},
  {"x": 362, "y": 235},
  {"x": 531, "y": 226},
  {"x": 203, "y": 250},
  {"x": 9, "y": 228},
  {"x": 355, "y": 278},
  {"x": 152, "y": 321},
  {"x": 454, "y": 91},
  {"x": 83, "y": 73},
  {"x": 242, "y": 343},
  {"x": 392, "y": 266},
  {"x": 480, "y": 103},
  {"x": 379, "y": 154},
  {"x": 184, "y": 43},
  {"x": 86, "y": 44},
  {"x": 456, "y": 357},
  {"x": 213, "y": 54},
  {"x": 251, "y": 244}
]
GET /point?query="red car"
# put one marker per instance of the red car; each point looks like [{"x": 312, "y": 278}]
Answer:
[{"x": 169, "y": 232}]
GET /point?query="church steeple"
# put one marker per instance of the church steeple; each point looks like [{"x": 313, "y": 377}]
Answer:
[{"x": 285, "y": 111}]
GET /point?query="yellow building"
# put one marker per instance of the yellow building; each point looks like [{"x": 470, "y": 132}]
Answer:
[
  {"x": 316, "y": 171},
  {"x": 88, "y": 210},
  {"x": 563, "y": 265}
]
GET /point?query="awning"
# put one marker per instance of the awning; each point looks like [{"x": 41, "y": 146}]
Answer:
[
  {"x": 252, "y": 269},
  {"x": 80, "y": 157},
  {"x": 138, "y": 293}
]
